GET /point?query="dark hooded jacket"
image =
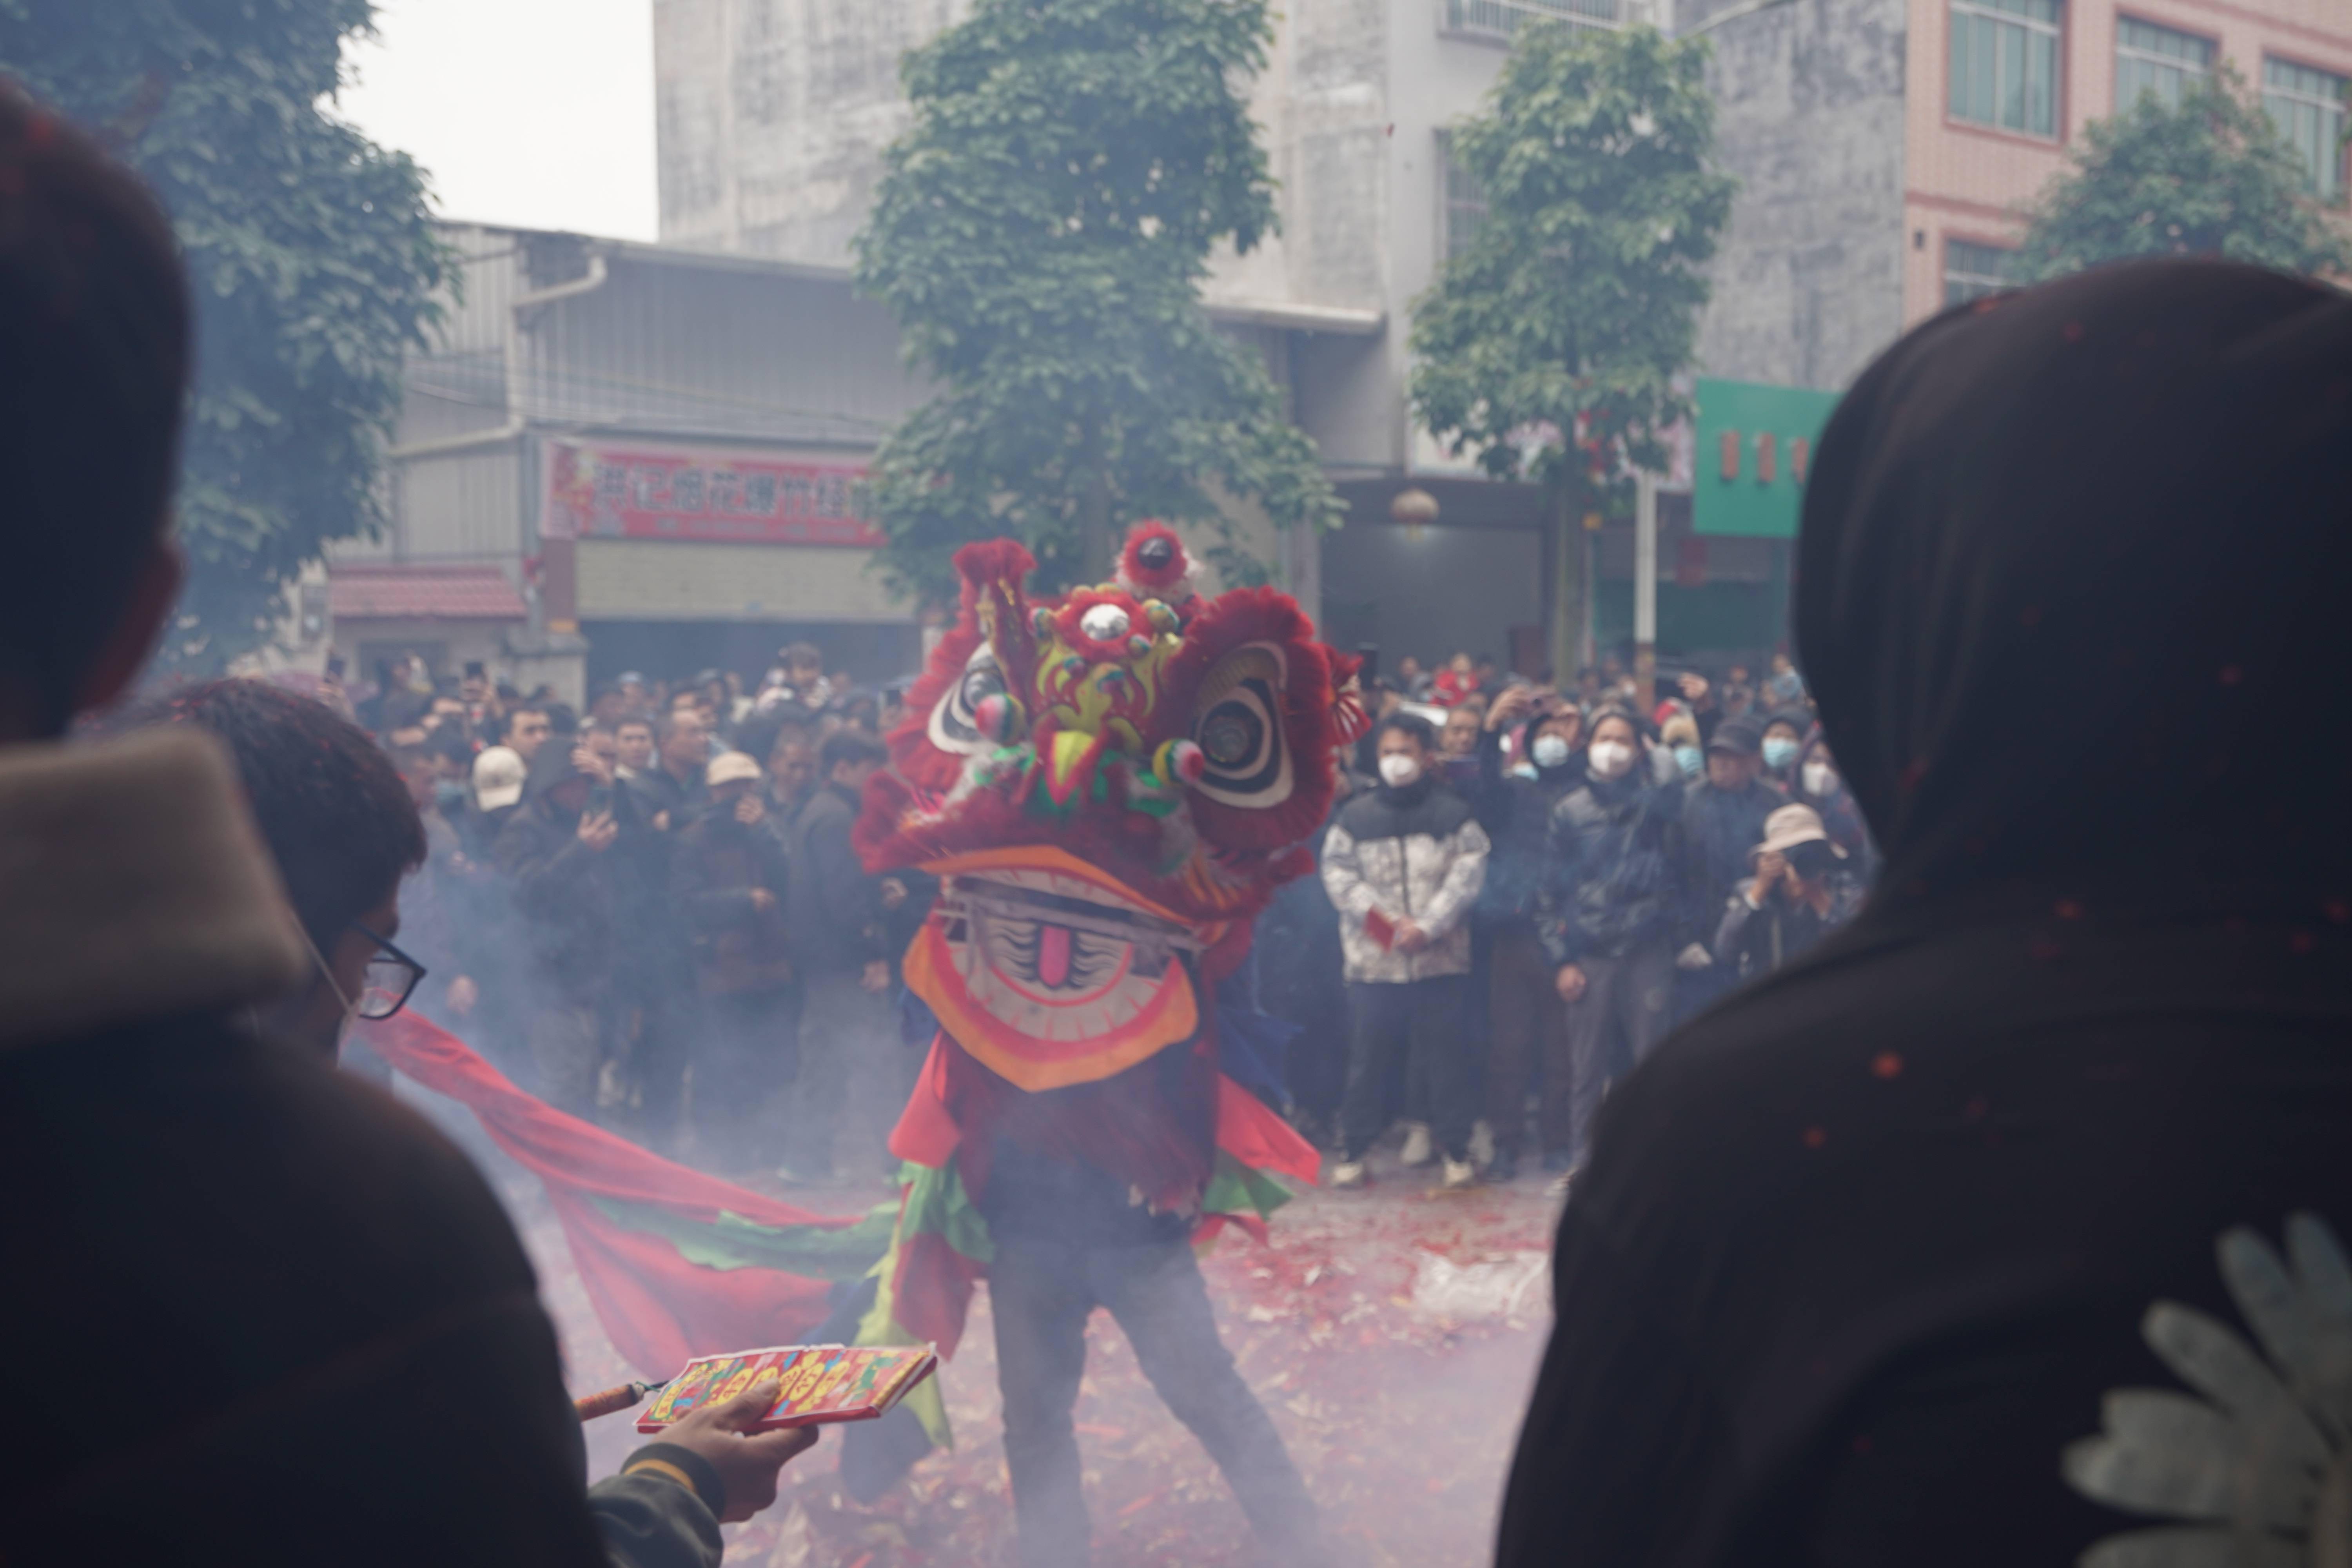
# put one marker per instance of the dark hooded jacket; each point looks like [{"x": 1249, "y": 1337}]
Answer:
[
  {"x": 567, "y": 895},
  {"x": 1860, "y": 1254}
]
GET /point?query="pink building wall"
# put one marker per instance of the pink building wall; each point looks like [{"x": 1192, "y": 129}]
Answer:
[{"x": 1969, "y": 182}]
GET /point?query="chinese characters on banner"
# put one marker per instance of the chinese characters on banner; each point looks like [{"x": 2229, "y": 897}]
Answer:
[{"x": 636, "y": 492}]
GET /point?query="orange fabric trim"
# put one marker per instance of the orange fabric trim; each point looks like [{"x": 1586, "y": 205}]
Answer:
[{"x": 1173, "y": 1015}]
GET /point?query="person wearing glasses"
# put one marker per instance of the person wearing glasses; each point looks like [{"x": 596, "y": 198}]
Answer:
[{"x": 301, "y": 1327}]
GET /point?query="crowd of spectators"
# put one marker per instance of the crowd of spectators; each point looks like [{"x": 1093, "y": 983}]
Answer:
[
  {"x": 650, "y": 914},
  {"x": 1531, "y": 885}
]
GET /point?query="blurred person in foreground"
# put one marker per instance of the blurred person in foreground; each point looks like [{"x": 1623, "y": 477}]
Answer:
[
  {"x": 299, "y": 1327},
  {"x": 1402, "y": 864},
  {"x": 1801, "y": 891},
  {"x": 2007, "y": 1225}
]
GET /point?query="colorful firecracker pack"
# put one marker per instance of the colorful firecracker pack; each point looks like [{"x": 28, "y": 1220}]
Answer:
[{"x": 820, "y": 1384}]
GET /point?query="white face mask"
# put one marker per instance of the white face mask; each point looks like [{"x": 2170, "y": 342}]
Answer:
[
  {"x": 1819, "y": 778},
  {"x": 1398, "y": 769},
  {"x": 1549, "y": 751},
  {"x": 1611, "y": 759}
]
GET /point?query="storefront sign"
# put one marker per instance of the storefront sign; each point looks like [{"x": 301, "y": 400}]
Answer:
[
  {"x": 625, "y": 490},
  {"x": 1755, "y": 451}
]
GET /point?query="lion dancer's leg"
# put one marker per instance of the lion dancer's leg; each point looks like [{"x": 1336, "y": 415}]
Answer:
[
  {"x": 1157, "y": 1295},
  {"x": 1039, "y": 1297}
]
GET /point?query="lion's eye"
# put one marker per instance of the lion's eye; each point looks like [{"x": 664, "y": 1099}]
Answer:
[
  {"x": 954, "y": 727},
  {"x": 1239, "y": 731}
]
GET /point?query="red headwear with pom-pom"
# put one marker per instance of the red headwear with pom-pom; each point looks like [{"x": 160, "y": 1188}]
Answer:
[{"x": 1154, "y": 565}]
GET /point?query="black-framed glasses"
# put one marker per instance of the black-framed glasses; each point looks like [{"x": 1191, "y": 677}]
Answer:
[{"x": 391, "y": 979}]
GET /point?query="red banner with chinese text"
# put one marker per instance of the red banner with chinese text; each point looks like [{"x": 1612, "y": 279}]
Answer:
[{"x": 636, "y": 490}]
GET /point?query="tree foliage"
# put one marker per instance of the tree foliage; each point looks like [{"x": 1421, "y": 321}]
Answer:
[
  {"x": 2208, "y": 176},
  {"x": 1041, "y": 233},
  {"x": 310, "y": 252},
  {"x": 1576, "y": 303}
]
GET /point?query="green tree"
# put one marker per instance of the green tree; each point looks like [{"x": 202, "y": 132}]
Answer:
[
  {"x": 2207, "y": 176},
  {"x": 310, "y": 254},
  {"x": 1550, "y": 343},
  {"x": 1041, "y": 233}
]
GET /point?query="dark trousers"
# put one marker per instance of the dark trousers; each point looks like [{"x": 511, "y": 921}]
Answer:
[
  {"x": 854, "y": 1078},
  {"x": 567, "y": 1043},
  {"x": 1041, "y": 1294},
  {"x": 744, "y": 1058},
  {"x": 1625, "y": 1011},
  {"x": 1419, "y": 1024},
  {"x": 1531, "y": 1041}
]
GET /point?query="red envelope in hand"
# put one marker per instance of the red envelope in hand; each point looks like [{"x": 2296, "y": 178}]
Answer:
[{"x": 1380, "y": 928}]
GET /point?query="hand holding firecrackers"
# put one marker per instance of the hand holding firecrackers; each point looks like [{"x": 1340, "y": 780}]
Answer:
[{"x": 816, "y": 1384}]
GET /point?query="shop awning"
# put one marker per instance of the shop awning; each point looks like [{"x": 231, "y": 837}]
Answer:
[{"x": 423, "y": 594}]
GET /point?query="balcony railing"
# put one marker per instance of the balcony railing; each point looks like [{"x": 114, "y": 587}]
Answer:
[{"x": 1501, "y": 18}]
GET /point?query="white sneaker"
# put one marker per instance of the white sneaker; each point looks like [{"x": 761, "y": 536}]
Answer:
[
  {"x": 1418, "y": 1150},
  {"x": 1459, "y": 1174},
  {"x": 1349, "y": 1175},
  {"x": 1482, "y": 1144}
]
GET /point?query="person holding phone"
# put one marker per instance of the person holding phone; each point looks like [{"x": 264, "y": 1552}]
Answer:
[
  {"x": 1803, "y": 889},
  {"x": 557, "y": 852}
]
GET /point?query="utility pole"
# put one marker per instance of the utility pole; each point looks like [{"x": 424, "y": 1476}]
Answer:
[{"x": 1645, "y": 589}]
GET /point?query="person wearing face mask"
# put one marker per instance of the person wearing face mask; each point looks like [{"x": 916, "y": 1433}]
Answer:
[
  {"x": 1526, "y": 1022},
  {"x": 1801, "y": 891},
  {"x": 1612, "y": 908},
  {"x": 1403, "y": 865},
  {"x": 1783, "y": 745},
  {"x": 1681, "y": 759},
  {"x": 1820, "y": 786}
]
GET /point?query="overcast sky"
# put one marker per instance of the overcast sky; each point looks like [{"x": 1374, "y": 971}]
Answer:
[{"x": 534, "y": 112}]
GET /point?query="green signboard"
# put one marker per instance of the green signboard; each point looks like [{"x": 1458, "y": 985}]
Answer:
[{"x": 1754, "y": 451}]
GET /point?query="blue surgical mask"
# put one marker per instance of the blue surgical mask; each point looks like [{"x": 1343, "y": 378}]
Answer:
[
  {"x": 1549, "y": 751},
  {"x": 448, "y": 796},
  {"x": 1691, "y": 760},
  {"x": 1778, "y": 753}
]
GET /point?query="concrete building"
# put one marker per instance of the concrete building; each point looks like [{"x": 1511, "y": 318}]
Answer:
[
  {"x": 1882, "y": 169},
  {"x": 623, "y": 455}
]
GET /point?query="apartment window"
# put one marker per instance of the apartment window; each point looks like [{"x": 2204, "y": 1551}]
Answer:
[
  {"x": 2005, "y": 64},
  {"x": 2308, "y": 107},
  {"x": 1501, "y": 18},
  {"x": 1971, "y": 270},
  {"x": 2149, "y": 59},
  {"x": 1464, "y": 199}
]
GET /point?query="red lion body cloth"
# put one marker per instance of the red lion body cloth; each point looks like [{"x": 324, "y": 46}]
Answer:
[{"x": 1109, "y": 787}]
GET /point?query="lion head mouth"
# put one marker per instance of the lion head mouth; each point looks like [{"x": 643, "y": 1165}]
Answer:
[{"x": 1049, "y": 969}]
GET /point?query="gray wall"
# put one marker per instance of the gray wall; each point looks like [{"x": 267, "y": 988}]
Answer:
[
  {"x": 1809, "y": 278},
  {"x": 771, "y": 116}
]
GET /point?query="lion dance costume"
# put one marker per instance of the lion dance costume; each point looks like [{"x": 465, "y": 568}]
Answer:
[{"x": 1108, "y": 787}]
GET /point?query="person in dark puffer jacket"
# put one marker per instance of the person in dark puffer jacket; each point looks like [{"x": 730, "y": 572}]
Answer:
[{"x": 1615, "y": 906}]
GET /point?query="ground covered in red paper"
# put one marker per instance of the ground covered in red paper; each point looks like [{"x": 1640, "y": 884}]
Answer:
[{"x": 1391, "y": 1333}]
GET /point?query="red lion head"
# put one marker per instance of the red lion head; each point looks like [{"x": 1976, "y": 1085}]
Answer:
[{"x": 1103, "y": 781}]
